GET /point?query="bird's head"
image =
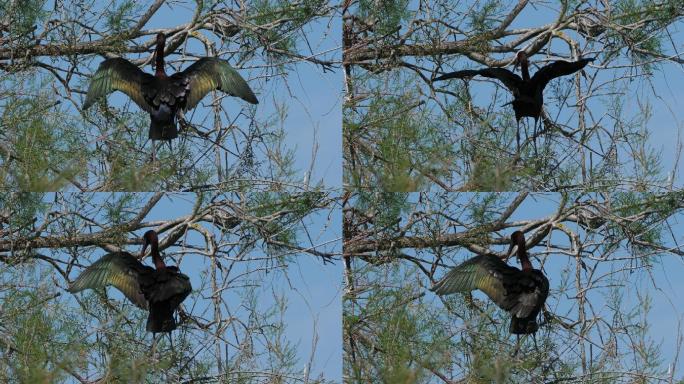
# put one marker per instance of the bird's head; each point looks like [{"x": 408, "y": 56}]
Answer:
[
  {"x": 517, "y": 238},
  {"x": 149, "y": 238},
  {"x": 520, "y": 59}
]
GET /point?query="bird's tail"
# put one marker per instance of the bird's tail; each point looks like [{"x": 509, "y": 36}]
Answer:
[
  {"x": 163, "y": 129},
  {"x": 524, "y": 326},
  {"x": 161, "y": 318},
  {"x": 163, "y": 123}
]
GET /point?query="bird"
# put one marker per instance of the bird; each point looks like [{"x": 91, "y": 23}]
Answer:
[
  {"x": 519, "y": 292},
  {"x": 162, "y": 96},
  {"x": 528, "y": 93},
  {"x": 160, "y": 290}
]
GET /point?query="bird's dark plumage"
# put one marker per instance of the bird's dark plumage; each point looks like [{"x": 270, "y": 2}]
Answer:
[
  {"x": 164, "y": 96},
  {"x": 522, "y": 293},
  {"x": 159, "y": 290},
  {"x": 528, "y": 97}
]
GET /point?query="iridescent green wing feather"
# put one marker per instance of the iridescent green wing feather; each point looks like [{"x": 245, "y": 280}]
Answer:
[
  {"x": 118, "y": 75},
  {"x": 483, "y": 272},
  {"x": 120, "y": 270},
  {"x": 208, "y": 74}
]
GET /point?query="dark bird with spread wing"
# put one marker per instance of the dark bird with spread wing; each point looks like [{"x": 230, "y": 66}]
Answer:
[
  {"x": 159, "y": 290},
  {"x": 164, "y": 96},
  {"x": 522, "y": 293},
  {"x": 528, "y": 93}
]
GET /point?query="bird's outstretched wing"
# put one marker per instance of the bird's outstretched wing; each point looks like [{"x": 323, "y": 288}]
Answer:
[
  {"x": 121, "y": 270},
  {"x": 210, "y": 73},
  {"x": 557, "y": 69},
  {"x": 508, "y": 78},
  {"x": 118, "y": 75},
  {"x": 484, "y": 272}
]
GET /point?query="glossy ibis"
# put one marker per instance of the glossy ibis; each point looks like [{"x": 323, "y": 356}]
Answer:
[
  {"x": 520, "y": 292},
  {"x": 159, "y": 290},
  {"x": 164, "y": 96},
  {"x": 528, "y": 93}
]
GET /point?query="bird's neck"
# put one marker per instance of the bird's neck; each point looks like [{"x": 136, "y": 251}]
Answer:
[
  {"x": 159, "y": 63},
  {"x": 524, "y": 70},
  {"x": 524, "y": 260},
  {"x": 156, "y": 257}
]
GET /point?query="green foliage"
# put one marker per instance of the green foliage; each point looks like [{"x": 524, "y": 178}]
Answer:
[
  {"x": 44, "y": 152},
  {"x": 490, "y": 174},
  {"x": 119, "y": 209},
  {"x": 485, "y": 17},
  {"x": 386, "y": 207},
  {"x": 45, "y": 336},
  {"x": 644, "y": 228},
  {"x": 22, "y": 18},
  {"x": 121, "y": 16},
  {"x": 107, "y": 148},
  {"x": 574, "y": 145},
  {"x": 651, "y": 18},
  {"x": 21, "y": 208},
  {"x": 280, "y": 40},
  {"x": 407, "y": 143},
  {"x": 126, "y": 150},
  {"x": 38, "y": 341},
  {"x": 386, "y": 308},
  {"x": 286, "y": 212},
  {"x": 408, "y": 340},
  {"x": 267, "y": 322},
  {"x": 482, "y": 210},
  {"x": 386, "y": 15}
]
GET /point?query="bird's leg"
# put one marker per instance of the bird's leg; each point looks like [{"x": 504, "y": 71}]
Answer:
[
  {"x": 181, "y": 120},
  {"x": 517, "y": 138},
  {"x": 540, "y": 131},
  {"x": 517, "y": 345},
  {"x": 154, "y": 343},
  {"x": 170, "y": 340},
  {"x": 154, "y": 151},
  {"x": 534, "y": 138}
]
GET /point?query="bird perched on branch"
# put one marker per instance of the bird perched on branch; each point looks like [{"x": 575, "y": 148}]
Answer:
[
  {"x": 522, "y": 293},
  {"x": 160, "y": 290},
  {"x": 528, "y": 92},
  {"x": 162, "y": 96}
]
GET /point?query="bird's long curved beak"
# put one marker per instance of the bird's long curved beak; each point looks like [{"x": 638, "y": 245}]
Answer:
[
  {"x": 144, "y": 248},
  {"x": 510, "y": 249}
]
